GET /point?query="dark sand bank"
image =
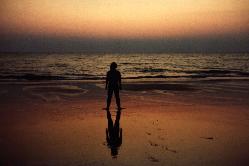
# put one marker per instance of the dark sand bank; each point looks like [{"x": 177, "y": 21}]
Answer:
[{"x": 172, "y": 123}]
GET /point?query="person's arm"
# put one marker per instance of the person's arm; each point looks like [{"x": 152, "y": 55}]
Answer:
[
  {"x": 106, "y": 80},
  {"x": 119, "y": 81},
  {"x": 107, "y": 136},
  {"x": 120, "y": 136}
]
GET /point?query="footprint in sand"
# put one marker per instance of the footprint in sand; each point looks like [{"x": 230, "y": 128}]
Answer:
[
  {"x": 161, "y": 138},
  {"x": 153, "y": 159},
  {"x": 164, "y": 147},
  {"x": 208, "y": 138},
  {"x": 153, "y": 144},
  {"x": 54, "y": 93},
  {"x": 148, "y": 133},
  {"x": 167, "y": 149}
]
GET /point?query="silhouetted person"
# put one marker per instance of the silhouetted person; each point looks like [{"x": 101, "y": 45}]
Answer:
[
  {"x": 113, "y": 84},
  {"x": 114, "y": 133}
]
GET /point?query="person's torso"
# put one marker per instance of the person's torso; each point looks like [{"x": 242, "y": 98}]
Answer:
[{"x": 113, "y": 77}]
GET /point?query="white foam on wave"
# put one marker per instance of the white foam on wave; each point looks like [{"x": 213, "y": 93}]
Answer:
[{"x": 55, "y": 92}]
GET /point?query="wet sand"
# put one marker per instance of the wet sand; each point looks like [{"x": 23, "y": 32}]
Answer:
[{"x": 172, "y": 123}]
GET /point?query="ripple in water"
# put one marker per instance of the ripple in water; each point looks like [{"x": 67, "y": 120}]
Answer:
[{"x": 133, "y": 66}]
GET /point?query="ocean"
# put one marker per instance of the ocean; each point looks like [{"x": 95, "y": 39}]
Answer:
[{"x": 132, "y": 66}]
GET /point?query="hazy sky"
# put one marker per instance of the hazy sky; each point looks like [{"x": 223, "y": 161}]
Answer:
[{"x": 123, "y": 20}]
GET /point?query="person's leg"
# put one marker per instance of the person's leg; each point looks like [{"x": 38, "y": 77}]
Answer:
[
  {"x": 116, "y": 124},
  {"x": 110, "y": 130},
  {"x": 109, "y": 98},
  {"x": 116, "y": 92},
  {"x": 109, "y": 118}
]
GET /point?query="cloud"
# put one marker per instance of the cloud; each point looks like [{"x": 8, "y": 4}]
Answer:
[{"x": 36, "y": 44}]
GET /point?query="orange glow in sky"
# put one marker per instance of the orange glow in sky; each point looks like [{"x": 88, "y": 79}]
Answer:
[{"x": 125, "y": 18}]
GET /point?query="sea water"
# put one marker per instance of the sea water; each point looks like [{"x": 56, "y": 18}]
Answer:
[{"x": 132, "y": 66}]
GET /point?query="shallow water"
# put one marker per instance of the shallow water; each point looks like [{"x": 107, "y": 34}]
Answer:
[
  {"x": 82, "y": 66},
  {"x": 179, "y": 136}
]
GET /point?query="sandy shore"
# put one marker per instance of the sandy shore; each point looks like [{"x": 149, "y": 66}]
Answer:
[{"x": 163, "y": 123}]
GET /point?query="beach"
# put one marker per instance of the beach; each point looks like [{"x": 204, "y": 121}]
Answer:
[
  {"x": 124, "y": 83},
  {"x": 164, "y": 122}
]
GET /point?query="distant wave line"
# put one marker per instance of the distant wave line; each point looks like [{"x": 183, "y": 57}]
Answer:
[{"x": 94, "y": 77}]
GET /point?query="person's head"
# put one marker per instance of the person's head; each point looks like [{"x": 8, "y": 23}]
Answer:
[
  {"x": 114, "y": 151},
  {"x": 113, "y": 66}
]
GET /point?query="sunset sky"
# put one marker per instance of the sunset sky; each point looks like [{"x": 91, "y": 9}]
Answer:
[{"x": 124, "y": 19}]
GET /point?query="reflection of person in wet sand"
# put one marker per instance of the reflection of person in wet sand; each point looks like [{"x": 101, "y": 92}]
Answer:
[
  {"x": 114, "y": 133},
  {"x": 113, "y": 84}
]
